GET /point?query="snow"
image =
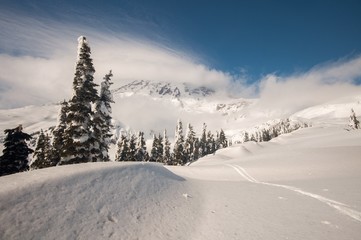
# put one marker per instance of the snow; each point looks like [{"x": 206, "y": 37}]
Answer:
[{"x": 301, "y": 185}]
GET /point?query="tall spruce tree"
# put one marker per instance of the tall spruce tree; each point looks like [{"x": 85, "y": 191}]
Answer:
[
  {"x": 41, "y": 157},
  {"x": 178, "y": 151},
  {"x": 102, "y": 121},
  {"x": 79, "y": 143},
  {"x": 16, "y": 151}
]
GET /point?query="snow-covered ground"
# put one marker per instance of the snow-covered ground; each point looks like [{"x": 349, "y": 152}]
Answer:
[{"x": 303, "y": 185}]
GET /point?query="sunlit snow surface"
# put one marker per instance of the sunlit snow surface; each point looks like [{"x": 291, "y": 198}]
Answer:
[{"x": 303, "y": 185}]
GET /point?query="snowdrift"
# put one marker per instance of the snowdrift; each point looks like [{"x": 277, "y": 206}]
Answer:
[{"x": 93, "y": 201}]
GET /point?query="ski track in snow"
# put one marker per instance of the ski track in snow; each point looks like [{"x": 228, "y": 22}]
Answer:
[{"x": 341, "y": 207}]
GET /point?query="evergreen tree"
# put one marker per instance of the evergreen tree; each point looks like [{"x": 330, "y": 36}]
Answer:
[
  {"x": 166, "y": 149},
  {"x": 132, "y": 148},
  {"x": 16, "y": 151},
  {"x": 79, "y": 143},
  {"x": 141, "y": 154},
  {"x": 102, "y": 121},
  {"x": 211, "y": 144},
  {"x": 160, "y": 148},
  {"x": 178, "y": 151},
  {"x": 122, "y": 149},
  {"x": 189, "y": 144},
  {"x": 203, "y": 142},
  {"x": 222, "y": 139},
  {"x": 41, "y": 157},
  {"x": 157, "y": 149},
  {"x": 58, "y": 135},
  {"x": 196, "y": 149},
  {"x": 246, "y": 137},
  {"x": 354, "y": 122}
]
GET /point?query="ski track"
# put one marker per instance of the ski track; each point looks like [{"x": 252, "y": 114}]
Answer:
[{"x": 341, "y": 207}]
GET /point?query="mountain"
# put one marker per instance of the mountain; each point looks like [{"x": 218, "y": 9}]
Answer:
[
  {"x": 154, "y": 106},
  {"x": 164, "y": 89}
]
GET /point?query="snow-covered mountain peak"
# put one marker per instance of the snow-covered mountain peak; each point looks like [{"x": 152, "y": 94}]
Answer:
[{"x": 164, "y": 89}]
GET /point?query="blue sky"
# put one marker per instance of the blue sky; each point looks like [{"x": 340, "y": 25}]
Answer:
[
  {"x": 245, "y": 41},
  {"x": 259, "y": 37}
]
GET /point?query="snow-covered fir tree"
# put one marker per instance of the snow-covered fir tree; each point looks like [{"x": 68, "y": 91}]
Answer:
[
  {"x": 58, "y": 134},
  {"x": 196, "y": 148},
  {"x": 354, "y": 122},
  {"x": 203, "y": 142},
  {"x": 222, "y": 140},
  {"x": 132, "y": 149},
  {"x": 79, "y": 143},
  {"x": 189, "y": 143},
  {"x": 42, "y": 154},
  {"x": 166, "y": 149},
  {"x": 156, "y": 154},
  {"x": 178, "y": 151},
  {"x": 211, "y": 143},
  {"x": 102, "y": 121},
  {"x": 141, "y": 154},
  {"x": 16, "y": 151},
  {"x": 122, "y": 149}
]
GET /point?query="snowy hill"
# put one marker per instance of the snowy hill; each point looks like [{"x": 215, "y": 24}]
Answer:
[{"x": 298, "y": 186}]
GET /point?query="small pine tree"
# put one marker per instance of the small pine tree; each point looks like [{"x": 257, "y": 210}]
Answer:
[
  {"x": 58, "y": 135},
  {"x": 211, "y": 144},
  {"x": 102, "y": 121},
  {"x": 222, "y": 139},
  {"x": 189, "y": 144},
  {"x": 157, "y": 150},
  {"x": 160, "y": 148},
  {"x": 141, "y": 154},
  {"x": 203, "y": 142},
  {"x": 16, "y": 151},
  {"x": 122, "y": 149},
  {"x": 131, "y": 154},
  {"x": 178, "y": 151},
  {"x": 354, "y": 122},
  {"x": 246, "y": 137},
  {"x": 196, "y": 154},
  {"x": 42, "y": 152},
  {"x": 166, "y": 149}
]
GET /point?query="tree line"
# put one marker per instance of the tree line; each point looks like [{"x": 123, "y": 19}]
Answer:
[{"x": 187, "y": 147}]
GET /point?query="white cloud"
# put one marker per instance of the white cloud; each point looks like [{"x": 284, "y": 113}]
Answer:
[
  {"x": 39, "y": 65},
  {"x": 285, "y": 95}
]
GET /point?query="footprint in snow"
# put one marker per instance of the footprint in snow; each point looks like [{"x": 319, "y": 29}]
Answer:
[
  {"x": 186, "y": 195},
  {"x": 111, "y": 218}
]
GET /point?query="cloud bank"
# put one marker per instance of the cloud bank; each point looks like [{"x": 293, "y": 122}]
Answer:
[
  {"x": 38, "y": 57},
  {"x": 37, "y": 60},
  {"x": 324, "y": 83}
]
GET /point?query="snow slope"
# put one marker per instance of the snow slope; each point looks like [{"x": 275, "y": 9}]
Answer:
[{"x": 303, "y": 185}]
